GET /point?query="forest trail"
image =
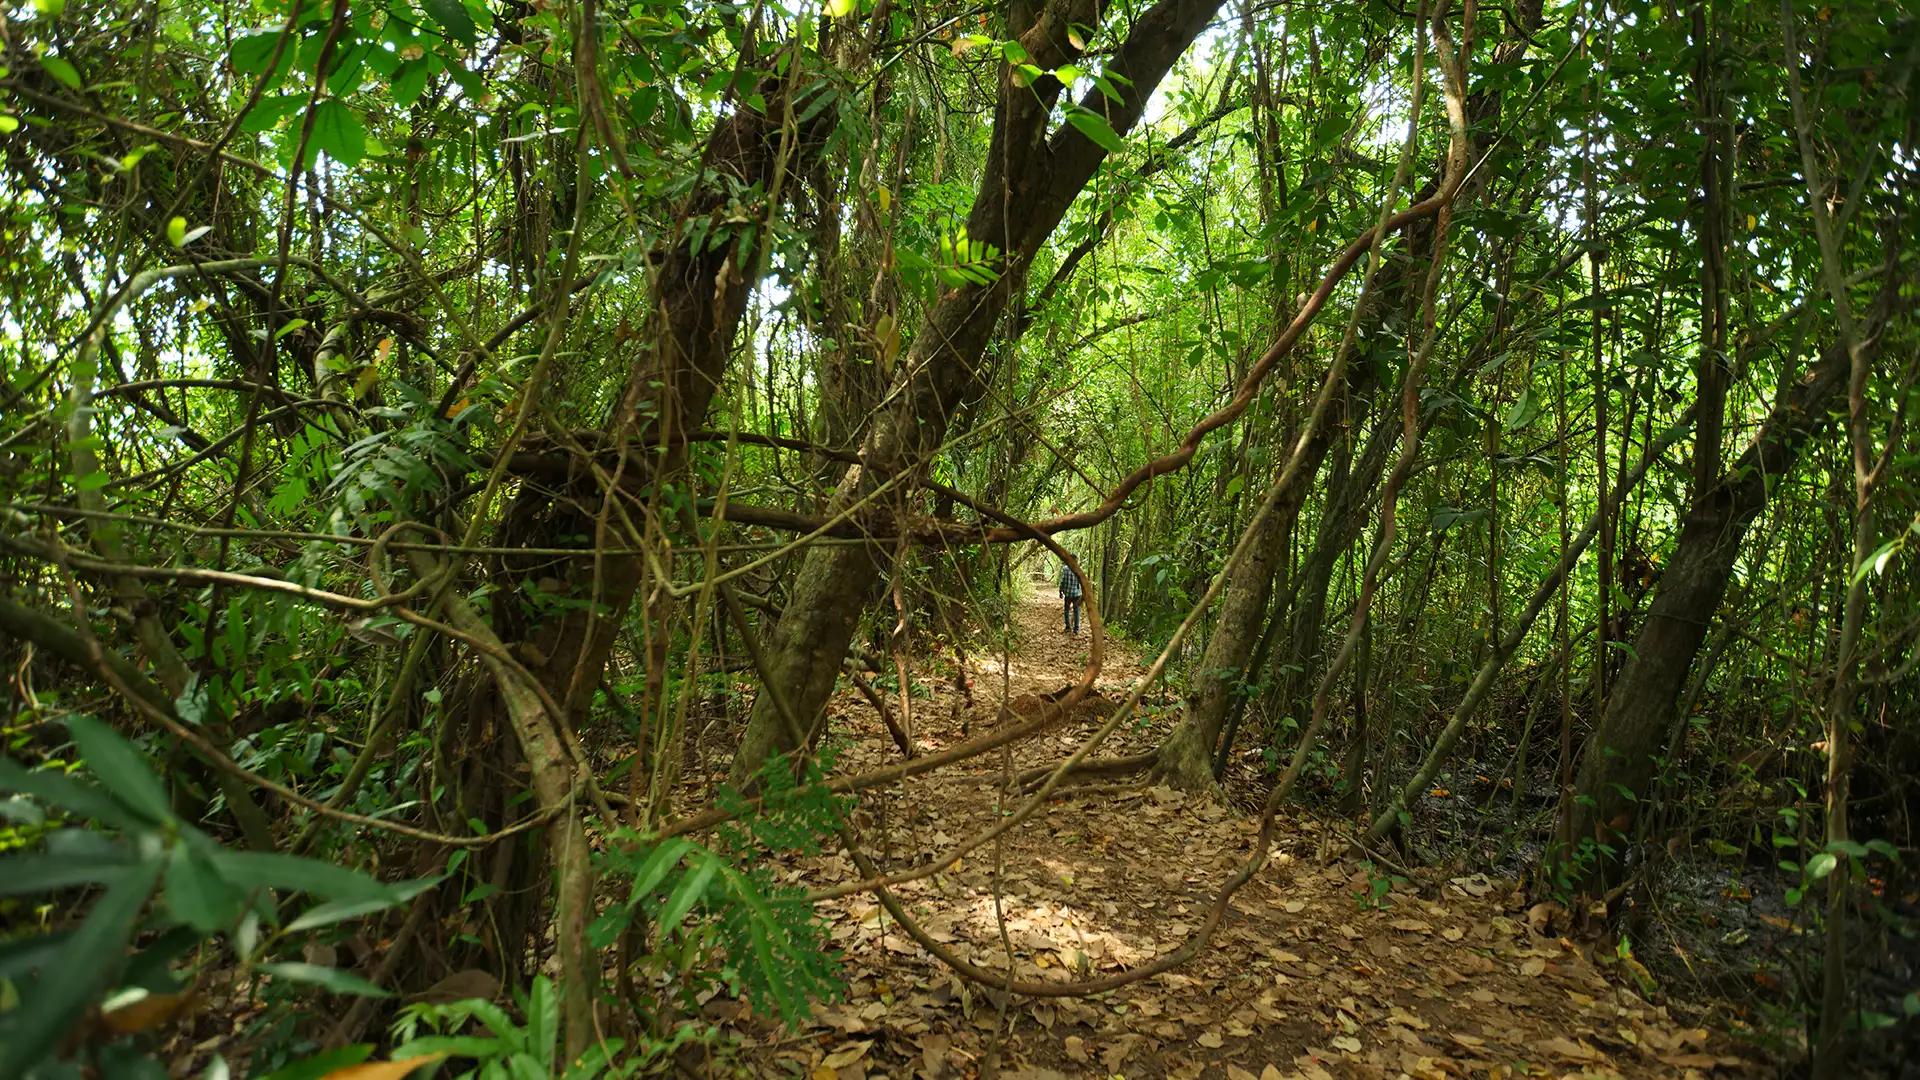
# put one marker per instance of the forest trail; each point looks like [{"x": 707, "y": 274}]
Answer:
[{"x": 1324, "y": 968}]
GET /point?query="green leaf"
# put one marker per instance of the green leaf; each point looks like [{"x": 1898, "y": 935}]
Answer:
[
  {"x": 688, "y": 892},
  {"x": 121, "y": 768},
  {"x": 323, "y": 1064},
  {"x": 1821, "y": 865},
  {"x": 196, "y": 893},
  {"x": 659, "y": 862},
  {"x": 408, "y": 83},
  {"x": 87, "y": 965},
  {"x": 20, "y": 958},
  {"x": 338, "y": 132},
  {"x": 1524, "y": 411},
  {"x": 76, "y": 798},
  {"x": 62, "y": 71},
  {"x": 1330, "y": 128},
  {"x": 43, "y": 873},
  {"x": 543, "y": 1021},
  {"x": 453, "y": 18},
  {"x": 1095, "y": 127},
  {"x": 9, "y": 124},
  {"x": 177, "y": 231},
  {"x": 252, "y": 53},
  {"x": 1876, "y": 563},
  {"x": 334, "y": 911},
  {"x": 290, "y": 873},
  {"x": 334, "y": 979}
]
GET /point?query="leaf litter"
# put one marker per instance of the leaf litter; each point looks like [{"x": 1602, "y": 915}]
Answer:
[{"x": 1313, "y": 975}]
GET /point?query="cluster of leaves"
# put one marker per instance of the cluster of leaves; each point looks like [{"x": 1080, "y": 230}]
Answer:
[
  {"x": 122, "y": 959},
  {"x": 757, "y": 936}
]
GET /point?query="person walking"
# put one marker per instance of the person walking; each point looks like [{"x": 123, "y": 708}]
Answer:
[{"x": 1070, "y": 595}]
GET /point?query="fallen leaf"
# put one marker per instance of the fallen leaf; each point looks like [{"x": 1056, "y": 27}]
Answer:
[
  {"x": 1211, "y": 1040},
  {"x": 1346, "y": 1042},
  {"x": 1471, "y": 1042},
  {"x": 1116, "y": 1055},
  {"x": 1561, "y": 1046},
  {"x": 1077, "y": 1049},
  {"x": 847, "y": 1055}
]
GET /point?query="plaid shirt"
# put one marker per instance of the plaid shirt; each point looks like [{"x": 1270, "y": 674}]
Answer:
[{"x": 1069, "y": 582}]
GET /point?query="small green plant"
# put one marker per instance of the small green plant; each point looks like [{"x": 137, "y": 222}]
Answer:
[
  {"x": 713, "y": 917},
  {"x": 157, "y": 889},
  {"x": 1379, "y": 893},
  {"x": 510, "y": 1048}
]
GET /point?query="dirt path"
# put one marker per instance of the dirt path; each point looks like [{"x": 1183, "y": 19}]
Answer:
[{"x": 1324, "y": 969}]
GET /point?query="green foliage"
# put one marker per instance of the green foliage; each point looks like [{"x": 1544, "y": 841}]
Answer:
[
  {"x": 126, "y": 948},
  {"x": 716, "y": 916},
  {"x": 510, "y": 1048}
]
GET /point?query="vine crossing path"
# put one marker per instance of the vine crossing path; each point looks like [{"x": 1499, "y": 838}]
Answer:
[{"x": 1326, "y": 967}]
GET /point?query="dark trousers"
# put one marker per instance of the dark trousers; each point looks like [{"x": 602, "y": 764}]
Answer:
[{"x": 1071, "y": 614}]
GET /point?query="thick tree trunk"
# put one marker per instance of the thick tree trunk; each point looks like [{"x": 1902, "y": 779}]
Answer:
[
  {"x": 1185, "y": 757},
  {"x": 1030, "y": 179},
  {"x": 1618, "y": 762}
]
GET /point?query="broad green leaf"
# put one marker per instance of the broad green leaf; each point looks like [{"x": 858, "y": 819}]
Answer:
[
  {"x": 75, "y": 797},
  {"x": 1821, "y": 865},
  {"x": 62, "y": 70},
  {"x": 688, "y": 892},
  {"x": 87, "y": 965},
  {"x": 659, "y": 862},
  {"x": 408, "y": 83},
  {"x": 1095, "y": 127},
  {"x": 177, "y": 231},
  {"x": 22, "y": 957},
  {"x": 290, "y": 873},
  {"x": 453, "y": 17},
  {"x": 334, "y": 911},
  {"x": 339, "y": 133},
  {"x": 334, "y": 979},
  {"x": 543, "y": 1021},
  {"x": 472, "y": 1046},
  {"x": 1524, "y": 411},
  {"x": 22, "y": 875},
  {"x": 252, "y": 53},
  {"x": 196, "y": 892},
  {"x": 323, "y": 1064},
  {"x": 122, "y": 768}
]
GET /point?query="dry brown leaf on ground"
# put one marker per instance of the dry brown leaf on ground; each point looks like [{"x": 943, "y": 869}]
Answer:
[{"x": 1562, "y": 1047}]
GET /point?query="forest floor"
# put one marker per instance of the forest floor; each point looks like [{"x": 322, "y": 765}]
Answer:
[{"x": 1325, "y": 966}]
